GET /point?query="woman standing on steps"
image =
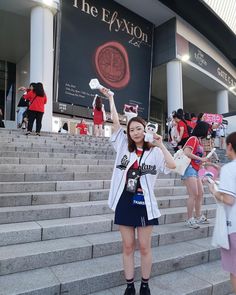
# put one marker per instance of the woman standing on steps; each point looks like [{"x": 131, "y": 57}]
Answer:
[
  {"x": 193, "y": 149},
  {"x": 99, "y": 116},
  {"x": 132, "y": 191}
]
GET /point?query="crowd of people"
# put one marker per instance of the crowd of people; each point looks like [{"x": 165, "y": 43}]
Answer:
[{"x": 181, "y": 125}]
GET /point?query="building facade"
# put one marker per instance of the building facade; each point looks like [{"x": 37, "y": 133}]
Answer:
[{"x": 158, "y": 55}]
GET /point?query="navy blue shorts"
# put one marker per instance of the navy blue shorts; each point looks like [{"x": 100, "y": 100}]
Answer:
[{"x": 131, "y": 215}]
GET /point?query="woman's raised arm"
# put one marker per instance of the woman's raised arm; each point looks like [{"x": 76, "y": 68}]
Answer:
[{"x": 114, "y": 114}]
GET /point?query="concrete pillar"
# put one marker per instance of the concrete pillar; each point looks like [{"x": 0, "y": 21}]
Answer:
[
  {"x": 41, "y": 56},
  {"x": 174, "y": 86},
  {"x": 222, "y": 102}
]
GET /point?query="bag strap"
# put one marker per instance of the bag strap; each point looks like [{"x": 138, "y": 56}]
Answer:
[{"x": 32, "y": 100}]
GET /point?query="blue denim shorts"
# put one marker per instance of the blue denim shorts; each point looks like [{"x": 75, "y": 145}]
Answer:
[{"x": 189, "y": 172}]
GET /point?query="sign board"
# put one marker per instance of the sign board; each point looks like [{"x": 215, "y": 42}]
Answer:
[
  {"x": 212, "y": 118},
  {"x": 104, "y": 40}
]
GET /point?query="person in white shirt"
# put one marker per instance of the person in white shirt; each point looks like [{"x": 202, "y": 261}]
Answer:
[
  {"x": 134, "y": 202},
  {"x": 226, "y": 194}
]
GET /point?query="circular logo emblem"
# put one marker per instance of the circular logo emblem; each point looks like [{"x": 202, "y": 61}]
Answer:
[{"x": 112, "y": 64}]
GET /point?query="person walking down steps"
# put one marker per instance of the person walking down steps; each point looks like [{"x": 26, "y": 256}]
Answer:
[{"x": 134, "y": 202}]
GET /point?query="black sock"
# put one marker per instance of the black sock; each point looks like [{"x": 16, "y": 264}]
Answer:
[
  {"x": 144, "y": 283},
  {"x": 130, "y": 283}
]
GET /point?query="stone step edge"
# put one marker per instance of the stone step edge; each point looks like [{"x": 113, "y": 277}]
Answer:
[
  {"x": 92, "y": 244},
  {"x": 92, "y": 191},
  {"x": 178, "y": 280},
  {"x": 38, "y": 230},
  {"x": 159, "y": 231},
  {"x": 68, "y": 206},
  {"x": 68, "y": 274}
]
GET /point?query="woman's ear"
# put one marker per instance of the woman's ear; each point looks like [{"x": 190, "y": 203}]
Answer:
[{"x": 229, "y": 146}]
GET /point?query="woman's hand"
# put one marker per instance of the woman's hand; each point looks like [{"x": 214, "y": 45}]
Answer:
[
  {"x": 211, "y": 187},
  {"x": 204, "y": 159},
  {"x": 105, "y": 92},
  {"x": 157, "y": 140},
  {"x": 22, "y": 88}
]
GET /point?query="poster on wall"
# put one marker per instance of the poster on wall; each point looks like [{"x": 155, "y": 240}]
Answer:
[{"x": 102, "y": 39}]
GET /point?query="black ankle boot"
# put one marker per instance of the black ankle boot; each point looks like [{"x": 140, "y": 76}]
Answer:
[
  {"x": 144, "y": 290},
  {"x": 130, "y": 290}
]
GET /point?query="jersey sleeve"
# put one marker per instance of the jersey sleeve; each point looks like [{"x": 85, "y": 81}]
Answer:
[
  {"x": 118, "y": 139},
  {"x": 160, "y": 162},
  {"x": 227, "y": 182}
]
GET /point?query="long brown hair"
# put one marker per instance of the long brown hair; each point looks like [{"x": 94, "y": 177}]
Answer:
[
  {"x": 131, "y": 144},
  {"x": 98, "y": 103}
]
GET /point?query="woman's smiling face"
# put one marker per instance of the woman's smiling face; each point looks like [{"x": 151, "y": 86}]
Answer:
[{"x": 136, "y": 132}]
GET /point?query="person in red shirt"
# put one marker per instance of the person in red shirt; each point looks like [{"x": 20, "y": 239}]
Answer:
[
  {"x": 182, "y": 130},
  {"x": 187, "y": 118},
  {"x": 194, "y": 150},
  {"x": 99, "y": 115},
  {"x": 37, "y": 100},
  {"x": 82, "y": 126},
  {"x": 194, "y": 120}
]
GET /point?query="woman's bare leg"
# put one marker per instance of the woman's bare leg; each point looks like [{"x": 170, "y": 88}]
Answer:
[
  {"x": 198, "y": 201},
  {"x": 192, "y": 188},
  {"x": 145, "y": 238},
  {"x": 128, "y": 239}
]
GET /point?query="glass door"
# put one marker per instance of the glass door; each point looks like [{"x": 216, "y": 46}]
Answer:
[{"x": 8, "y": 90}]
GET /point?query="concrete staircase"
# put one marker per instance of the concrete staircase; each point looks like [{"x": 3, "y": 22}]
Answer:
[{"x": 57, "y": 234}]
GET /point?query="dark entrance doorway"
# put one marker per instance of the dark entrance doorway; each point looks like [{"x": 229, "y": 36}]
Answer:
[{"x": 7, "y": 89}]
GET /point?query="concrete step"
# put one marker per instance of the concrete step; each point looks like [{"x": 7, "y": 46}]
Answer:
[
  {"x": 32, "y": 213},
  {"x": 104, "y": 243},
  {"x": 55, "y": 145},
  {"x": 15, "y": 134},
  {"x": 192, "y": 280},
  {"x": 97, "y": 274},
  {"x": 171, "y": 186},
  {"x": 12, "y": 168},
  {"x": 73, "y": 210},
  {"x": 53, "y": 176},
  {"x": 97, "y": 151},
  {"x": 25, "y": 256},
  {"x": 42, "y": 142},
  {"x": 66, "y": 175},
  {"x": 62, "y": 155},
  {"x": 56, "y": 197},
  {"x": 48, "y": 186}
]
